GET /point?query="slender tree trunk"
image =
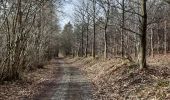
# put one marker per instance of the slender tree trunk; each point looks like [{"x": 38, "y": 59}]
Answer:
[
  {"x": 114, "y": 44},
  {"x": 158, "y": 40},
  {"x": 152, "y": 48},
  {"x": 127, "y": 47},
  {"x": 105, "y": 30},
  {"x": 82, "y": 42},
  {"x": 87, "y": 33},
  {"x": 136, "y": 43},
  {"x": 165, "y": 38},
  {"x": 87, "y": 40},
  {"x": 105, "y": 35},
  {"x": 105, "y": 43},
  {"x": 143, "y": 30},
  {"x": 123, "y": 25},
  {"x": 17, "y": 56},
  {"x": 94, "y": 29}
]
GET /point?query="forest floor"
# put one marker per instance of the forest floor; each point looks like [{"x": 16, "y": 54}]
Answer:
[
  {"x": 33, "y": 83},
  {"x": 120, "y": 79},
  {"x": 57, "y": 81},
  {"x": 93, "y": 79}
]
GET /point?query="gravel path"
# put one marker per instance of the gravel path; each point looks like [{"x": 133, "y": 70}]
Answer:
[{"x": 71, "y": 85}]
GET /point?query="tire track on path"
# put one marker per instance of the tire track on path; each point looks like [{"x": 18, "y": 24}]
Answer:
[
  {"x": 73, "y": 84},
  {"x": 69, "y": 84}
]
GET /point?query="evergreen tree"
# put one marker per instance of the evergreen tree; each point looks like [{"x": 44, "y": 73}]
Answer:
[{"x": 67, "y": 37}]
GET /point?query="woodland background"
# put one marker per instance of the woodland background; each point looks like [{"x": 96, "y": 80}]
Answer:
[{"x": 128, "y": 37}]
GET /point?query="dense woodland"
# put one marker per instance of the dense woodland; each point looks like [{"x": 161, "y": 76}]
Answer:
[
  {"x": 28, "y": 35},
  {"x": 123, "y": 46},
  {"x": 29, "y": 32},
  {"x": 133, "y": 29}
]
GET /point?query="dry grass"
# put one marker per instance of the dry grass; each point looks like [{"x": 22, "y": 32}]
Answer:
[{"x": 121, "y": 79}]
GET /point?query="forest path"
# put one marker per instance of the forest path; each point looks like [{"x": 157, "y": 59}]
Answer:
[{"x": 71, "y": 85}]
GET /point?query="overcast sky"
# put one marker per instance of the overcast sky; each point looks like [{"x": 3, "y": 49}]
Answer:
[{"x": 68, "y": 10}]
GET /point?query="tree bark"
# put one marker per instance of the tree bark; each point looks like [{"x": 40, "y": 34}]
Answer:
[
  {"x": 87, "y": 39},
  {"x": 82, "y": 41},
  {"x": 94, "y": 29},
  {"x": 105, "y": 30},
  {"x": 165, "y": 38},
  {"x": 158, "y": 39},
  {"x": 151, "y": 40},
  {"x": 123, "y": 25},
  {"x": 143, "y": 30},
  {"x": 105, "y": 43}
]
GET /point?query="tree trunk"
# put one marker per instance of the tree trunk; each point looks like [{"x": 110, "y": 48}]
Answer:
[
  {"x": 158, "y": 40},
  {"x": 94, "y": 29},
  {"x": 152, "y": 47},
  {"x": 136, "y": 43},
  {"x": 87, "y": 39},
  {"x": 123, "y": 25},
  {"x": 143, "y": 30},
  {"x": 105, "y": 32},
  {"x": 82, "y": 42},
  {"x": 105, "y": 43},
  {"x": 165, "y": 38},
  {"x": 87, "y": 36}
]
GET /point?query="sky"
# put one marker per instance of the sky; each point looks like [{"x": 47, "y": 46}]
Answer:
[{"x": 68, "y": 11}]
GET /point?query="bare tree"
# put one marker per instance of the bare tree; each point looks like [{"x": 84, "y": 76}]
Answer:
[
  {"x": 94, "y": 29},
  {"x": 26, "y": 30},
  {"x": 143, "y": 30}
]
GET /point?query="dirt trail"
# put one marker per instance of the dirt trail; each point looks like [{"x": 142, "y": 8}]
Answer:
[{"x": 71, "y": 85}]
